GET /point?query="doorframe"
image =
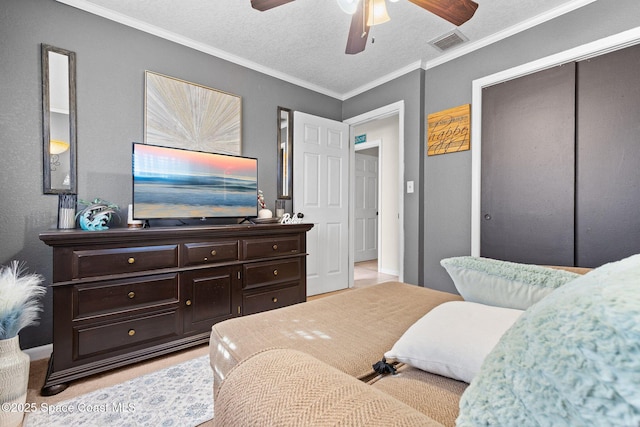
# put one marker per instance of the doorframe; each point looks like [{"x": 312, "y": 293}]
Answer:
[
  {"x": 579, "y": 53},
  {"x": 396, "y": 108},
  {"x": 359, "y": 147}
]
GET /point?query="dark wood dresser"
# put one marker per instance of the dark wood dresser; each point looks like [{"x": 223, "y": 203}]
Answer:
[{"x": 125, "y": 295}]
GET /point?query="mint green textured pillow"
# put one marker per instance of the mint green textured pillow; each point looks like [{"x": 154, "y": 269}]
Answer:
[
  {"x": 502, "y": 283},
  {"x": 573, "y": 359}
]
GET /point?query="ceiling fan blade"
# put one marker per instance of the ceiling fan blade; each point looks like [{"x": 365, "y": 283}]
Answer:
[
  {"x": 263, "y": 5},
  {"x": 455, "y": 11},
  {"x": 359, "y": 30}
]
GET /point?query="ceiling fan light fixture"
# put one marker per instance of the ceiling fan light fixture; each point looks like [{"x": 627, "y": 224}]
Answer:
[
  {"x": 57, "y": 146},
  {"x": 378, "y": 13},
  {"x": 348, "y": 6}
]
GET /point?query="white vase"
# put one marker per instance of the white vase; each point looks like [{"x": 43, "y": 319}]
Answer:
[
  {"x": 265, "y": 213},
  {"x": 14, "y": 378}
]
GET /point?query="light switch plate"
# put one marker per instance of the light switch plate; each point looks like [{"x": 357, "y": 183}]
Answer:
[{"x": 409, "y": 186}]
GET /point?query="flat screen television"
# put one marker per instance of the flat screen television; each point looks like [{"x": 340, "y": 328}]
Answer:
[{"x": 174, "y": 183}]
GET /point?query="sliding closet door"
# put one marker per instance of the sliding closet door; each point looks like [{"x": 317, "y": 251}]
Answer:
[
  {"x": 608, "y": 156},
  {"x": 528, "y": 160}
]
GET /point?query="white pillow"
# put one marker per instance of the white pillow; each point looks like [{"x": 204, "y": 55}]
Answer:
[
  {"x": 503, "y": 283},
  {"x": 453, "y": 339}
]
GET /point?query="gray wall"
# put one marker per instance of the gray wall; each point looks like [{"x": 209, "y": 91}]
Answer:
[
  {"x": 447, "y": 193},
  {"x": 111, "y": 60}
]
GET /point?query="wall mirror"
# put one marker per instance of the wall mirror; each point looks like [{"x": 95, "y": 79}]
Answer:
[
  {"x": 58, "y": 120},
  {"x": 285, "y": 153}
]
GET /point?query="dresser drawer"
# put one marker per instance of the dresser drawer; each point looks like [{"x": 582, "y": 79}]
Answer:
[
  {"x": 270, "y": 299},
  {"x": 125, "y": 295},
  {"x": 259, "y": 274},
  {"x": 271, "y": 247},
  {"x": 210, "y": 252},
  {"x": 102, "y": 262},
  {"x": 111, "y": 337}
]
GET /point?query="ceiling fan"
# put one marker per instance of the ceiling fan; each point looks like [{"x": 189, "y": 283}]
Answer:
[{"x": 455, "y": 11}]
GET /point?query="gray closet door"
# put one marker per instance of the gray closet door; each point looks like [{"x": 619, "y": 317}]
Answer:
[
  {"x": 608, "y": 158},
  {"x": 528, "y": 165}
]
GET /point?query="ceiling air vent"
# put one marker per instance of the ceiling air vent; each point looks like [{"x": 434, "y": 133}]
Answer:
[{"x": 448, "y": 40}]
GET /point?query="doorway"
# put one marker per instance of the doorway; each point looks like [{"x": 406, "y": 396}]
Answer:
[
  {"x": 366, "y": 200},
  {"x": 384, "y": 126},
  {"x": 589, "y": 50},
  {"x": 366, "y": 273}
]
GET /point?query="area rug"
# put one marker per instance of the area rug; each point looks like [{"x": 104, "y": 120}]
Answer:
[{"x": 180, "y": 395}]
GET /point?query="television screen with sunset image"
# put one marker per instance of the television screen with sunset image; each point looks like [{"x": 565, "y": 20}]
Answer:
[{"x": 173, "y": 183}]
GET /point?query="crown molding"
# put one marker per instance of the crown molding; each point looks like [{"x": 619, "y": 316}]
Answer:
[
  {"x": 185, "y": 41},
  {"x": 470, "y": 47},
  {"x": 210, "y": 50},
  {"x": 507, "y": 32},
  {"x": 384, "y": 79}
]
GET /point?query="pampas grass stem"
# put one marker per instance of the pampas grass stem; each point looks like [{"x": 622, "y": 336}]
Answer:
[{"x": 19, "y": 299}]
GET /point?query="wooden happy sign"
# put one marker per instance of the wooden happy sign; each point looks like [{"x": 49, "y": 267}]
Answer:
[{"x": 449, "y": 131}]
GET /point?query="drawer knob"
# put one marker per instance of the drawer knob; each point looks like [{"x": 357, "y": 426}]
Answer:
[
  {"x": 274, "y": 299},
  {"x": 275, "y": 272},
  {"x": 131, "y": 295},
  {"x": 132, "y": 332},
  {"x": 275, "y": 247},
  {"x": 188, "y": 302},
  {"x": 213, "y": 252},
  {"x": 131, "y": 260}
]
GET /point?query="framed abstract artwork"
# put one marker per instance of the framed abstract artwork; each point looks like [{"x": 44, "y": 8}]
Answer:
[{"x": 188, "y": 115}]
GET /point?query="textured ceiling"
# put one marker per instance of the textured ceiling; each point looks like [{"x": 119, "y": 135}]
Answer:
[{"x": 303, "y": 41}]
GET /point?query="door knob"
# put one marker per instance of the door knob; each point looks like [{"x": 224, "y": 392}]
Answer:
[{"x": 487, "y": 217}]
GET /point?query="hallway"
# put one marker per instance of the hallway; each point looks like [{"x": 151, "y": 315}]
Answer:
[{"x": 366, "y": 273}]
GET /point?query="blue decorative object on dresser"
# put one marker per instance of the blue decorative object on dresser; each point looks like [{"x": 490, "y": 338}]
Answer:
[{"x": 96, "y": 214}]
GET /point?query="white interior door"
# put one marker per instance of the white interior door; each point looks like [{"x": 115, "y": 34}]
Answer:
[
  {"x": 321, "y": 193},
  {"x": 366, "y": 207}
]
